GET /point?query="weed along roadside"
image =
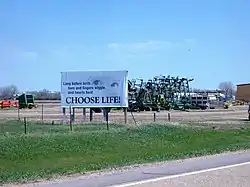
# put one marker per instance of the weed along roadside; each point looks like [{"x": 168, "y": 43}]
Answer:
[{"x": 37, "y": 155}]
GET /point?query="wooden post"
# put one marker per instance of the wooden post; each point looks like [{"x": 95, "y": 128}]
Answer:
[
  {"x": 1, "y": 125},
  {"x": 107, "y": 117},
  {"x": 25, "y": 125},
  {"x": 84, "y": 114},
  {"x": 70, "y": 118},
  {"x": 154, "y": 117},
  {"x": 64, "y": 115},
  {"x": 126, "y": 115},
  {"x": 104, "y": 112},
  {"x": 91, "y": 114},
  {"x": 42, "y": 113},
  {"x": 169, "y": 117},
  {"x": 18, "y": 113},
  {"x": 73, "y": 114}
]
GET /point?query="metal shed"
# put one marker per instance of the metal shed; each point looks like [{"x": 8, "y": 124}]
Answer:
[{"x": 243, "y": 92}]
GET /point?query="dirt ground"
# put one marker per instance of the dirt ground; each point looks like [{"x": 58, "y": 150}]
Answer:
[{"x": 48, "y": 111}]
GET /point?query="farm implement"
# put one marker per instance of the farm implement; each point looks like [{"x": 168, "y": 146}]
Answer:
[
  {"x": 22, "y": 101},
  {"x": 8, "y": 104},
  {"x": 26, "y": 101},
  {"x": 160, "y": 93}
]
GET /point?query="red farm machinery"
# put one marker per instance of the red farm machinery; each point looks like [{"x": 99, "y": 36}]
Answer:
[{"x": 22, "y": 101}]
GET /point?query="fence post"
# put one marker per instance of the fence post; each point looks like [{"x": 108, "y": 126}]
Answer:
[
  {"x": 154, "y": 117},
  {"x": 169, "y": 117},
  {"x": 25, "y": 125},
  {"x": 18, "y": 113},
  {"x": 126, "y": 115},
  {"x": 70, "y": 118},
  {"x": 42, "y": 113},
  {"x": 1, "y": 125}
]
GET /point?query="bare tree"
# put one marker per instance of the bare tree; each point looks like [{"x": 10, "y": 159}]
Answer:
[
  {"x": 228, "y": 88},
  {"x": 8, "y": 91},
  {"x": 46, "y": 95}
]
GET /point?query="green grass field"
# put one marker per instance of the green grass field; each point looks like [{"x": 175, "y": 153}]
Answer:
[{"x": 50, "y": 150}]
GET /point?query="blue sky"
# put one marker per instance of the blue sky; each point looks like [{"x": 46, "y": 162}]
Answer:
[{"x": 206, "y": 40}]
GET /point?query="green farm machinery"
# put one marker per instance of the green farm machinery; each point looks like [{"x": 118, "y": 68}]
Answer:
[
  {"x": 160, "y": 93},
  {"x": 26, "y": 101}
]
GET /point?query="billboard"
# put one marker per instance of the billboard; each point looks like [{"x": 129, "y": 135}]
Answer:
[{"x": 89, "y": 89}]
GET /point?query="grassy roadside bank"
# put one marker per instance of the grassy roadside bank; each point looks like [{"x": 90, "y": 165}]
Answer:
[{"x": 28, "y": 157}]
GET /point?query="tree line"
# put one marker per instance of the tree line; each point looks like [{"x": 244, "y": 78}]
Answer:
[{"x": 8, "y": 92}]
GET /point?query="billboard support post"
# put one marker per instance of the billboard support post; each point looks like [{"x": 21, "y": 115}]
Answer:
[
  {"x": 73, "y": 114},
  {"x": 107, "y": 117},
  {"x": 125, "y": 115},
  {"x": 91, "y": 114},
  {"x": 70, "y": 118},
  {"x": 84, "y": 114},
  {"x": 64, "y": 115}
]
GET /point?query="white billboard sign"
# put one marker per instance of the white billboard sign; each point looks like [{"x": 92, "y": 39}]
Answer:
[{"x": 89, "y": 89}]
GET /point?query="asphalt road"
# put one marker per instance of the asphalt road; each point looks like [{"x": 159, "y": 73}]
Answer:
[
  {"x": 204, "y": 172},
  {"x": 237, "y": 175}
]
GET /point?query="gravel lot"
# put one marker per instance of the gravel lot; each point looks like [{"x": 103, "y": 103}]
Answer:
[{"x": 49, "y": 112}]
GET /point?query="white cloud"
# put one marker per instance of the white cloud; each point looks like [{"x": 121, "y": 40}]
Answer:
[
  {"x": 139, "y": 47},
  {"x": 61, "y": 51},
  {"x": 190, "y": 40},
  {"x": 149, "y": 47},
  {"x": 29, "y": 54},
  {"x": 10, "y": 51},
  {"x": 70, "y": 50}
]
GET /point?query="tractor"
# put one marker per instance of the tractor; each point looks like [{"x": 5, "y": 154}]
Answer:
[{"x": 26, "y": 101}]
